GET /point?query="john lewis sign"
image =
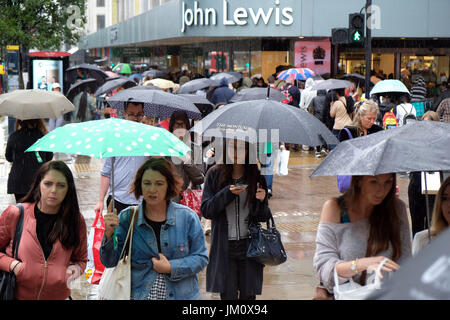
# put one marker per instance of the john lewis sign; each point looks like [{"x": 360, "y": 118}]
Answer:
[{"x": 276, "y": 15}]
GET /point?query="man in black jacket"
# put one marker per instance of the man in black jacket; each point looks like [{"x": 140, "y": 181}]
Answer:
[{"x": 444, "y": 95}]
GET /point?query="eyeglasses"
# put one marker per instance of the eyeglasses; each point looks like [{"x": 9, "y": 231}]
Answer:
[{"x": 135, "y": 116}]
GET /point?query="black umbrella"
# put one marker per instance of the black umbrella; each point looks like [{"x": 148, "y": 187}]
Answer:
[
  {"x": 157, "y": 103},
  {"x": 203, "y": 104},
  {"x": 258, "y": 93},
  {"x": 156, "y": 74},
  {"x": 80, "y": 86},
  {"x": 91, "y": 70},
  {"x": 114, "y": 83},
  {"x": 244, "y": 120},
  {"x": 197, "y": 84},
  {"x": 423, "y": 277}
]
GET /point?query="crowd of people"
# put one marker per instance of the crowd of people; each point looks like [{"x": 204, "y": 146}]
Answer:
[{"x": 357, "y": 230}]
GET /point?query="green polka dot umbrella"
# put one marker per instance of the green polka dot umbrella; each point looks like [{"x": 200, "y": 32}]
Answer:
[{"x": 111, "y": 138}]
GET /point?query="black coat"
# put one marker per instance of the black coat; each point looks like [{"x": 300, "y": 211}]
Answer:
[
  {"x": 24, "y": 164},
  {"x": 343, "y": 135},
  {"x": 214, "y": 207}
]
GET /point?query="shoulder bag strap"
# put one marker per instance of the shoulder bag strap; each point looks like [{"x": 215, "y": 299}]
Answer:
[
  {"x": 349, "y": 133},
  {"x": 18, "y": 232},
  {"x": 129, "y": 239}
]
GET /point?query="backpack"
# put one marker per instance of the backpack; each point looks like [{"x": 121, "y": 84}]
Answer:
[
  {"x": 285, "y": 91},
  {"x": 389, "y": 120},
  {"x": 409, "y": 117},
  {"x": 349, "y": 105}
]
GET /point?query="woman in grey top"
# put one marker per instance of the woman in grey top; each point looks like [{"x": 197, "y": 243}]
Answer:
[{"x": 359, "y": 229}]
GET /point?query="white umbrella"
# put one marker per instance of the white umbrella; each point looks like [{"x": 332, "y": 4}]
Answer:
[{"x": 34, "y": 104}]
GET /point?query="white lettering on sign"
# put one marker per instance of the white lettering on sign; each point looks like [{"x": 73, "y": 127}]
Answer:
[{"x": 239, "y": 17}]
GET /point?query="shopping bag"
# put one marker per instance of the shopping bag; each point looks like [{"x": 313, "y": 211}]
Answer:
[
  {"x": 94, "y": 267},
  {"x": 192, "y": 199},
  {"x": 354, "y": 291},
  {"x": 115, "y": 283},
  {"x": 283, "y": 161}
]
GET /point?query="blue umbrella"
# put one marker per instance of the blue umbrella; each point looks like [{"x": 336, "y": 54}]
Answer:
[
  {"x": 136, "y": 75},
  {"x": 296, "y": 74},
  {"x": 386, "y": 86}
]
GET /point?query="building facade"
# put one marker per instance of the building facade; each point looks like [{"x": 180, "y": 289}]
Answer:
[{"x": 255, "y": 36}]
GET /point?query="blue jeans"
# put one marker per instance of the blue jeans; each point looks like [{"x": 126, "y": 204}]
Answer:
[{"x": 267, "y": 168}]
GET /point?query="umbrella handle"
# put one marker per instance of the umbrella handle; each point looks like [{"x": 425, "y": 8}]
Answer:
[
  {"x": 268, "y": 92},
  {"x": 428, "y": 207},
  {"x": 112, "y": 183}
]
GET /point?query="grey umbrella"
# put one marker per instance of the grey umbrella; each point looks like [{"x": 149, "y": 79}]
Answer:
[
  {"x": 258, "y": 93},
  {"x": 144, "y": 88},
  {"x": 423, "y": 277},
  {"x": 114, "y": 83},
  {"x": 157, "y": 103},
  {"x": 197, "y": 84},
  {"x": 332, "y": 84},
  {"x": 231, "y": 76},
  {"x": 156, "y": 74},
  {"x": 243, "y": 120},
  {"x": 80, "y": 86}
]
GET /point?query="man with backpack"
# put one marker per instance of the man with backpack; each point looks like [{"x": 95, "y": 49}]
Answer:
[{"x": 405, "y": 111}]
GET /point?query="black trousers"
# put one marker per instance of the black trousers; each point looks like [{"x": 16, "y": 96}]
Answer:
[
  {"x": 236, "y": 281},
  {"x": 418, "y": 204},
  {"x": 118, "y": 205}
]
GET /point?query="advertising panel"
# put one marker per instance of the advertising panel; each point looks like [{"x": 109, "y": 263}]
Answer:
[
  {"x": 47, "y": 72},
  {"x": 315, "y": 55}
]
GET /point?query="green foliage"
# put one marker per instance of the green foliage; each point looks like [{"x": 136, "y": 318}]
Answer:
[{"x": 41, "y": 24}]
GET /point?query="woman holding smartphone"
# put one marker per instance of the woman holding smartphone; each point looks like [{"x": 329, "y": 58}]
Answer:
[{"x": 234, "y": 196}]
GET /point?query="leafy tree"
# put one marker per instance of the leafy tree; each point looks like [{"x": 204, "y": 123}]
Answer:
[{"x": 40, "y": 24}]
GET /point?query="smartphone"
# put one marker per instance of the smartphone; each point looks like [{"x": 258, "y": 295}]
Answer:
[{"x": 241, "y": 185}]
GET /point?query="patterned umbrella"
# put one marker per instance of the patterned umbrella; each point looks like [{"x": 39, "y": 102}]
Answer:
[
  {"x": 157, "y": 103},
  {"x": 296, "y": 74}
]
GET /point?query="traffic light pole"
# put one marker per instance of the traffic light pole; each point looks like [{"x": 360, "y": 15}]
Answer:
[{"x": 368, "y": 47}]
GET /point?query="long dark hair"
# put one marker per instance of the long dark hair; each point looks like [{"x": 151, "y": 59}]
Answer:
[
  {"x": 384, "y": 221},
  {"x": 251, "y": 172},
  {"x": 68, "y": 222},
  {"x": 179, "y": 115},
  {"x": 82, "y": 106}
]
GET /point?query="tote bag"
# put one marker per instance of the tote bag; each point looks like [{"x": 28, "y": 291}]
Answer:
[
  {"x": 94, "y": 267},
  {"x": 354, "y": 291},
  {"x": 282, "y": 162},
  {"x": 115, "y": 283}
]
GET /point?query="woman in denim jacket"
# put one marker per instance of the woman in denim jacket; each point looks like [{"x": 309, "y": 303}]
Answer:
[{"x": 168, "y": 247}]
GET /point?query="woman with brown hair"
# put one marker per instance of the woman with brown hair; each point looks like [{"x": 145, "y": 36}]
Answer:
[
  {"x": 24, "y": 164},
  {"x": 234, "y": 196},
  {"x": 359, "y": 229},
  {"x": 441, "y": 218}
]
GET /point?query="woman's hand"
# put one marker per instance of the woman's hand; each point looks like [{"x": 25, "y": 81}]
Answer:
[
  {"x": 260, "y": 193},
  {"x": 371, "y": 264},
  {"x": 161, "y": 264},
  {"x": 111, "y": 221},
  {"x": 15, "y": 267}
]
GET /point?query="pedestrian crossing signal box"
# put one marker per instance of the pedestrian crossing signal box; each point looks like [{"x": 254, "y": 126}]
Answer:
[{"x": 356, "y": 28}]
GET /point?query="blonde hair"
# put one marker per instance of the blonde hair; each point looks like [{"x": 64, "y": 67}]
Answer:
[
  {"x": 432, "y": 115},
  {"x": 368, "y": 106},
  {"x": 438, "y": 223}
]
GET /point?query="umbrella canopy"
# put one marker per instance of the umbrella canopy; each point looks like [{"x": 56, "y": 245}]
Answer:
[
  {"x": 258, "y": 93},
  {"x": 297, "y": 74},
  {"x": 123, "y": 68},
  {"x": 386, "y": 86},
  {"x": 197, "y": 84},
  {"x": 418, "y": 146},
  {"x": 332, "y": 84},
  {"x": 136, "y": 75},
  {"x": 111, "y": 138},
  {"x": 91, "y": 70},
  {"x": 144, "y": 88},
  {"x": 231, "y": 76},
  {"x": 157, "y": 103},
  {"x": 203, "y": 104},
  {"x": 34, "y": 104},
  {"x": 243, "y": 120},
  {"x": 80, "y": 86},
  {"x": 160, "y": 83},
  {"x": 154, "y": 73},
  {"x": 356, "y": 77},
  {"x": 423, "y": 277},
  {"x": 114, "y": 83}
]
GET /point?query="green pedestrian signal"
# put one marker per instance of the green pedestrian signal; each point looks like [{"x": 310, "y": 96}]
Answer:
[
  {"x": 356, "y": 28},
  {"x": 356, "y": 36}
]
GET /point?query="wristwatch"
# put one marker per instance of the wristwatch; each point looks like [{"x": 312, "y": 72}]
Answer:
[{"x": 353, "y": 266}]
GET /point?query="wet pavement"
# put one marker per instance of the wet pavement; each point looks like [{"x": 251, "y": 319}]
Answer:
[{"x": 296, "y": 204}]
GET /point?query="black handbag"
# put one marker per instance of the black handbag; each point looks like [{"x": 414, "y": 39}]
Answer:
[
  {"x": 265, "y": 244},
  {"x": 8, "y": 279}
]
